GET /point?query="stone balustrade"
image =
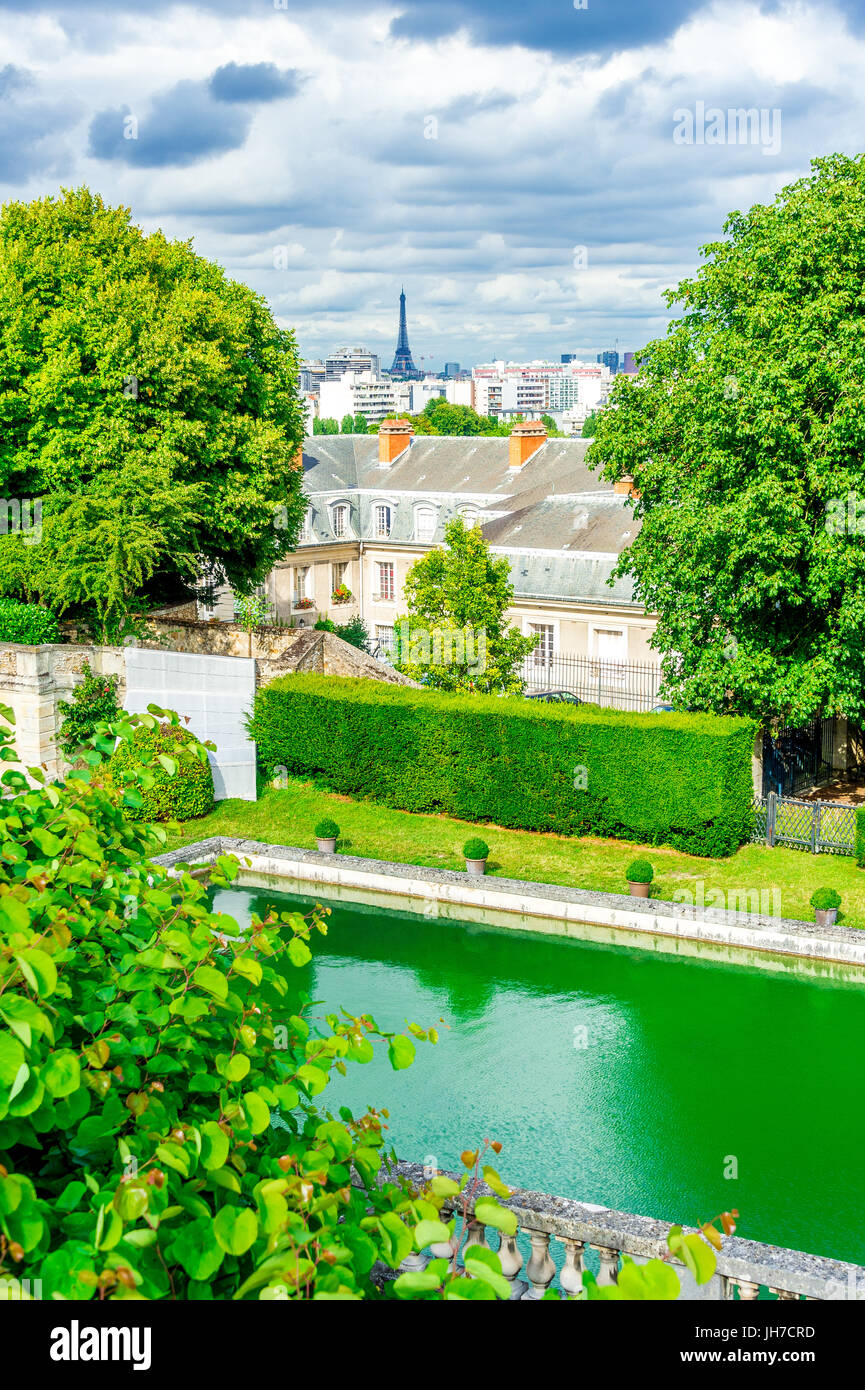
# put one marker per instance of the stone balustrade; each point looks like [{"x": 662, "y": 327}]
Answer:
[{"x": 586, "y": 1236}]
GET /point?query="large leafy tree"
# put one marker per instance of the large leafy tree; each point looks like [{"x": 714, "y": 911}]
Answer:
[
  {"x": 456, "y": 636},
  {"x": 744, "y": 432},
  {"x": 148, "y": 400}
]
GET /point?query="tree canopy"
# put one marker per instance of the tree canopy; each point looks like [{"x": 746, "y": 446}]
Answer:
[
  {"x": 149, "y": 402},
  {"x": 744, "y": 431},
  {"x": 456, "y": 636}
]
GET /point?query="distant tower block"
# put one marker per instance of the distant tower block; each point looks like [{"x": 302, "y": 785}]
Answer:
[{"x": 402, "y": 361}]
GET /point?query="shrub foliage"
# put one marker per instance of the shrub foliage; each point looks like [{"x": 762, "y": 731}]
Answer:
[
  {"x": 27, "y": 622},
  {"x": 677, "y": 779},
  {"x": 94, "y": 701},
  {"x": 145, "y": 1045},
  {"x": 182, "y": 787}
]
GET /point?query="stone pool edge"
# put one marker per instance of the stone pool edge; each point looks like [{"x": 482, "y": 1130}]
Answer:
[{"x": 777, "y": 936}]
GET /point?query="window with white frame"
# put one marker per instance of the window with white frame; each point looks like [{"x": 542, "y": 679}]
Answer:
[
  {"x": 384, "y": 637},
  {"x": 338, "y": 575},
  {"x": 424, "y": 523},
  {"x": 611, "y": 647},
  {"x": 301, "y": 582},
  {"x": 469, "y": 516},
  {"x": 384, "y": 585},
  {"x": 339, "y": 518},
  {"x": 306, "y": 526},
  {"x": 543, "y": 652},
  {"x": 382, "y": 520}
]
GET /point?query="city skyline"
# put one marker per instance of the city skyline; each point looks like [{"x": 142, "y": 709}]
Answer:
[{"x": 537, "y": 178}]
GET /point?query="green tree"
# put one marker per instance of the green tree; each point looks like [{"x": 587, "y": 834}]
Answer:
[
  {"x": 347, "y": 426},
  {"x": 743, "y": 434},
  {"x": 360, "y": 424},
  {"x": 147, "y": 399},
  {"x": 590, "y": 424},
  {"x": 455, "y": 636},
  {"x": 440, "y": 417}
]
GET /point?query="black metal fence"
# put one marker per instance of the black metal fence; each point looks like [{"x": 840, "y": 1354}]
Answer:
[
  {"x": 796, "y": 759},
  {"x": 821, "y": 827},
  {"x": 616, "y": 684}
]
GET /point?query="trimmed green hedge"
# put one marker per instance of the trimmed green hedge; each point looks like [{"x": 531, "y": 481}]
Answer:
[
  {"x": 676, "y": 779},
  {"x": 859, "y": 849},
  {"x": 186, "y": 795},
  {"x": 29, "y": 623}
]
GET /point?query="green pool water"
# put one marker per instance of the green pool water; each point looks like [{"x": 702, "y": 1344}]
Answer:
[{"x": 610, "y": 1075}]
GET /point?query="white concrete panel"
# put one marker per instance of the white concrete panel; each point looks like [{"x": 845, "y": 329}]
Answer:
[{"x": 215, "y": 693}]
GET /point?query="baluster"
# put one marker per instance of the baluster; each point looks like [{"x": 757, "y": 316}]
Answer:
[
  {"x": 477, "y": 1234},
  {"x": 512, "y": 1262},
  {"x": 747, "y": 1291},
  {"x": 416, "y": 1260},
  {"x": 540, "y": 1268},
  {"x": 446, "y": 1249},
  {"x": 571, "y": 1277},
  {"x": 784, "y": 1294},
  {"x": 609, "y": 1271}
]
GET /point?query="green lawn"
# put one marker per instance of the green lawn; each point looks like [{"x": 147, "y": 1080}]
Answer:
[{"x": 287, "y": 817}]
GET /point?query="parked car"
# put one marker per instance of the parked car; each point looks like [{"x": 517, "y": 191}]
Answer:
[
  {"x": 662, "y": 709},
  {"x": 556, "y": 697}
]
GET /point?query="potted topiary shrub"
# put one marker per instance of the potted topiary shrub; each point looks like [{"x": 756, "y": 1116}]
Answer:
[
  {"x": 326, "y": 833},
  {"x": 640, "y": 875},
  {"x": 476, "y": 853},
  {"x": 825, "y": 902}
]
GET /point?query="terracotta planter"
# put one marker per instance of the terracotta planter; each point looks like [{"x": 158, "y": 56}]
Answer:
[
  {"x": 639, "y": 890},
  {"x": 825, "y": 916},
  {"x": 326, "y": 846},
  {"x": 476, "y": 866}
]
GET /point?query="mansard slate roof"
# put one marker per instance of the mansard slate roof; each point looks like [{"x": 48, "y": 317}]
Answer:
[{"x": 559, "y": 524}]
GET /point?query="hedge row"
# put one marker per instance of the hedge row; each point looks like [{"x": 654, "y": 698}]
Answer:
[
  {"x": 27, "y": 622},
  {"x": 676, "y": 779}
]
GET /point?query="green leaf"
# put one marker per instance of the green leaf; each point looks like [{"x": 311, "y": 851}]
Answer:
[
  {"x": 39, "y": 971},
  {"x": 213, "y": 981},
  {"x": 488, "y": 1211},
  {"x": 401, "y": 1051},
  {"x": 415, "y": 1281},
  {"x": 430, "y": 1232},
  {"x": 61, "y": 1073},
  {"x": 198, "y": 1250},
  {"x": 236, "y": 1229},
  {"x": 214, "y": 1146},
  {"x": 485, "y": 1265},
  {"x": 298, "y": 952}
]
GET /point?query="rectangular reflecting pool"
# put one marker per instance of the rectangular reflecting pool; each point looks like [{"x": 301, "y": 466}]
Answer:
[{"x": 610, "y": 1074}]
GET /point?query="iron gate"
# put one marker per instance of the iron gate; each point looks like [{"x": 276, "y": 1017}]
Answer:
[{"x": 796, "y": 759}]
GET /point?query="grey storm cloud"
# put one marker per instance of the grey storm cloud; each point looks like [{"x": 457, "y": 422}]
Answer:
[
  {"x": 181, "y": 127},
  {"x": 253, "y": 82},
  {"x": 192, "y": 120}
]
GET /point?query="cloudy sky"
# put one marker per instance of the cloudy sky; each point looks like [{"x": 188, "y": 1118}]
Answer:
[{"x": 518, "y": 164}]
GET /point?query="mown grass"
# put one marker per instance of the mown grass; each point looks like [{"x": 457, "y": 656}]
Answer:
[{"x": 287, "y": 817}]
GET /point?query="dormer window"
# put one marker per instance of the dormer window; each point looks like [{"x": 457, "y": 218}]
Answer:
[
  {"x": 306, "y": 525},
  {"x": 382, "y": 521},
  {"x": 424, "y": 523},
  {"x": 339, "y": 519},
  {"x": 469, "y": 516}
]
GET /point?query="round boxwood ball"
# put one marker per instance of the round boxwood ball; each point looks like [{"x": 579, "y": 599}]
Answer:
[{"x": 185, "y": 796}]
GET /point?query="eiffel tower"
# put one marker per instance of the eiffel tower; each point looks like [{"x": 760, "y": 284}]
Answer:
[{"x": 402, "y": 363}]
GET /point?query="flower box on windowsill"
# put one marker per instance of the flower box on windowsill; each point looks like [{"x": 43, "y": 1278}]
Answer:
[
  {"x": 342, "y": 595},
  {"x": 304, "y": 603}
]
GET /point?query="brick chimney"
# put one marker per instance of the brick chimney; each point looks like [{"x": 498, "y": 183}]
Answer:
[
  {"x": 625, "y": 486},
  {"x": 393, "y": 437},
  {"x": 524, "y": 441}
]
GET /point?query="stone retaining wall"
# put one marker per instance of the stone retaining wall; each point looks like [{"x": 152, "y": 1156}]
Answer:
[{"x": 33, "y": 680}]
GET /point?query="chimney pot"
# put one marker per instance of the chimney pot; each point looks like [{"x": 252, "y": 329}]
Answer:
[
  {"x": 525, "y": 440},
  {"x": 625, "y": 486},
  {"x": 393, "y": 437}
]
